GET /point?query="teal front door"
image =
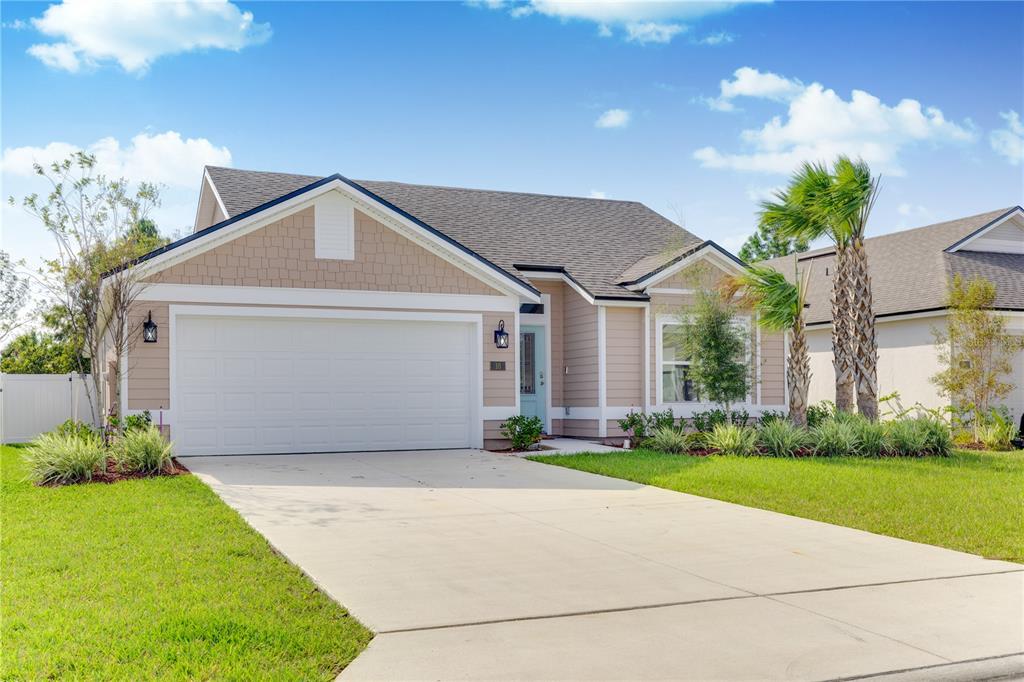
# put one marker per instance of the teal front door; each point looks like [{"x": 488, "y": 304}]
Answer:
[{"x": 533, "y": 389}]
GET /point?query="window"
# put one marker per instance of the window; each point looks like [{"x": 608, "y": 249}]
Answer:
[
  {"x": 676, "y": 386},
  {"x": 527, "y": 384},
  {"x": 531, "y": 308}
]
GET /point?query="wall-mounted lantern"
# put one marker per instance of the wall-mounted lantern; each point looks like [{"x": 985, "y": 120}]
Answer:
[
  {"x": 149, "y": 329},
  {"x": 500, "y": 335}
]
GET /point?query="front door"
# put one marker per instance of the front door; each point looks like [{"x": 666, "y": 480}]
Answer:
[{"x": 532, "y": 381}]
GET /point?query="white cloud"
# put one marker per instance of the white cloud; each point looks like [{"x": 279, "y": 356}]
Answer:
[
  {"x": 749, "y": 82},
  {"x": 819, "y": 124},
  {"x": 719, "y": 38},
  {"x": 912, "y": 215},
  {"x": 597, "y": 194},
  {"x": 759, "y": 194},
  {"x": 134, "y": 34},
  {"x": 163, "y": 158},
  {"x": 613, "y": 118},
  {"x": 1009, "y": 141},
  {"x": 652, "y": 32},
  {"x": 641, "y": 21},
  {"x": 16, "y": 25}
]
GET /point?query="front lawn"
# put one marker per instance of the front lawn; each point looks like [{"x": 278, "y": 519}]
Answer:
[
  {"x": 154, "y": 579},
  {"x": 970, "y": 501}
]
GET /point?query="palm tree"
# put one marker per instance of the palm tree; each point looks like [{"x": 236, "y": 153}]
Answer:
[
  {"x": 779, "y": 304},
  {"x": 850, "y": 202},
  {"x": 801, "y": 210}
]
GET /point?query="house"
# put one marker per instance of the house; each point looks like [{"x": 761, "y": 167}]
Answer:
[
  {"x": 310, "y": 314},
  {"x": 910, "y": 273}
]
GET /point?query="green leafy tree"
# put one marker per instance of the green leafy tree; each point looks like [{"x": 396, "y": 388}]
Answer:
[
  {"x": 768, "y": 242},
  {"x": 14, "y": 294},
  {"x": 35, "y": 353},
  {"x": 716, "y": 346},
  {"x": 975, "y": 350},
  {"x": 780, "y": 307}
]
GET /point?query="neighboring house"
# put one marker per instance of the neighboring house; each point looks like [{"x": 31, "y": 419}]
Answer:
[
  {"x": 910, "y": 273},
  {"x": 314, "y": 314}
]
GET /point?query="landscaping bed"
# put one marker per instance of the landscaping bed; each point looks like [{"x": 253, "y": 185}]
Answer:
[
  {"x": 154, "y": 578},
  {"x": 969, "y": 501}
]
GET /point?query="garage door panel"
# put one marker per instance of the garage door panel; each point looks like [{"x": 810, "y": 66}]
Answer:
[{"x": 259, "y": 385}]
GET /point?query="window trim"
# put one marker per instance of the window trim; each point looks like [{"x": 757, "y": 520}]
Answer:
[{"x": 663, "y": 320}]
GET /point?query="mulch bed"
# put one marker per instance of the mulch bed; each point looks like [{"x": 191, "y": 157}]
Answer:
[{"x": 112, "y": 475}]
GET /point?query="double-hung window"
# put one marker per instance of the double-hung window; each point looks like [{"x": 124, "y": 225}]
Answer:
[{"x": 676, "y": 386}]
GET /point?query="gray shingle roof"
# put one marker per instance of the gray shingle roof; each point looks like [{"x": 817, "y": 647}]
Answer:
[
  {"x": 910, "y": 270},
  {"x": 593, "y": 239}
]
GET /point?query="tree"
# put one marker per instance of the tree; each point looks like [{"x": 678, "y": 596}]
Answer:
[
  {"x": 35, "y": 353},
  {"x": 800, "y": 210},
  {"x": 975, "y": 350},
  {"x": 768, "y": 243},
  {"x": 779, "y": 304},
  {"x": 13, "y": 296},
  {"x": 98, "y": 224},
  {"x": 716, "y": 346},
  {"x": 851, "y": 199}
]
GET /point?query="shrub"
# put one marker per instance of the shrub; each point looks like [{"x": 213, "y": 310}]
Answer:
[
  {"x": 938, "y": 438},
  {"x": 769, "y": 416},
  {"x": 997, "y": 432},
  {"x": 138, "y": 421},
  {"x": 668, "y": 439},
  {"x": 732, "y": 439},
  {"x": 661, "y": 420},
  {"x": 819, "y": 413},
  {"x": 780, "y": 438},
  {"x": 906, "y": 437},
  {"x": 869, "y": 436},
  {"x": 834, "y": 438},
  {"x": 82, "y": 430},
  {"x": 523, "y": 431},
  {"x": 706, "y": 422},
  {"x": 65, "y": 458},
  {"x": 142, "y": 450}
]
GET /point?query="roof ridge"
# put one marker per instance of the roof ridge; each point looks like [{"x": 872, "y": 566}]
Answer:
[{"x": 501, "y": 191}]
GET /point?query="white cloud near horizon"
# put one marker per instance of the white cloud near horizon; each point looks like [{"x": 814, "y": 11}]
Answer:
[
  {"x": 597, "y": 194},
  {"x": 819, "y": 125},
  {"x": 613, "y": 118},
  {"x": 1008, "y": 142},
  {"x": 163, "y": 158},
  {"x": 88, "y": 34},
  {"x": 639, "y": 21}
]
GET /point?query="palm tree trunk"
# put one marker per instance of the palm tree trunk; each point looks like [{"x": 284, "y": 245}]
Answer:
[
  {"x": 799, "y": 374},
  {"x": 842, "y": 331},
  {"x": 864, "y": 343}
]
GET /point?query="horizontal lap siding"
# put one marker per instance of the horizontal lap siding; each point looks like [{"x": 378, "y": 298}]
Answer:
[
  {"x": 624, "y": 356},
  {"x": 579, "y": 428},
  {"x": 500, "y": 385},
  {"x": 556, "y": 320},
  {"x": 773, "y": 370},
  {"x": 580, "y": 352}
]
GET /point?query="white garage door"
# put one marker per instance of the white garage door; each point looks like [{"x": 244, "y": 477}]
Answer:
[{"x": 277, "y": 385}]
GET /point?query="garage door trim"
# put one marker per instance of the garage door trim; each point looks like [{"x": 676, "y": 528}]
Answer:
[{"x": 474, "y": 319}]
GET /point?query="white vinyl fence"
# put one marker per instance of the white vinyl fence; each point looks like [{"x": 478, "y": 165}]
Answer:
[{"x": 31, "y": 404}]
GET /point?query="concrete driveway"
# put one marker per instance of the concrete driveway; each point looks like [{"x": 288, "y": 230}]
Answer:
[{"x": 471, "y": 565}]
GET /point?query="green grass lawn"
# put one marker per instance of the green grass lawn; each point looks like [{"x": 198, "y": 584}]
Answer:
[
  {"x": 970, "y": 501},
  {"x": 154, "y": 579}
]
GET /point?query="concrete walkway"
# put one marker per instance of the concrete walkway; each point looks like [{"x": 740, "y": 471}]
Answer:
[{"x": 471, "y": 565}]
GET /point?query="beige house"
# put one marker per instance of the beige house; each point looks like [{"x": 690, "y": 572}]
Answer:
[
  {"x": 309, "y": 314},
  {"x": 910, "y": 272}
]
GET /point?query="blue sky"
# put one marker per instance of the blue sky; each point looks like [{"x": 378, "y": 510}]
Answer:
[{"x": 697, "y": 110}]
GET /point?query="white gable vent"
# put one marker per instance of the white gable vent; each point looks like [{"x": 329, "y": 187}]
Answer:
[{"x": 335, "y": 227}]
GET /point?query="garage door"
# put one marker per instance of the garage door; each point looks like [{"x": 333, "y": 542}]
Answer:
[{"x": 279, "y": 385}]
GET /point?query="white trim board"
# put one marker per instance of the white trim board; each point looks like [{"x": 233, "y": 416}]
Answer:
[
  {"x": 602, "y": 371},
  {"x": 962, "y": 245},
  {"x": 707, "y": 251},
  {"x": 337, "y": 298}
]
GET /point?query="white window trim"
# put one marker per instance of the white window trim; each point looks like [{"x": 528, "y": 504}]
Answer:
[
  {"x": 687, "y": 408},
  {"x": 478, "y": 412},
  {"x": 542, "y": 320}
]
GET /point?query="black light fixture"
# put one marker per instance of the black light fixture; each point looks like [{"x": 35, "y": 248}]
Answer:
[
  {"x": 500, "y": 335},
  {"x": 149, "y": 329}
]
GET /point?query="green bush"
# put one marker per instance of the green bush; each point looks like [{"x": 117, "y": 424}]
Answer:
[
  {"x": 780, "y": 438},
  {"x": 142, "y": 450},
  {"x": 997, "y": 432},
  {"x": 706, "y": 422},
  {"x": 732, "y": 439},
  {"x": 65, "y": 458},
  {"x": 834, "y": 438},
  {"x": 668, "y": 439},
  {"x": 522, "y": 431},
  {"x": 138, "y": 421},
  {"x": 869, "y": 436},
  {"x": 906, "y": 437},
  {"x": 938, "y": 436},
  {"x": 769, "y": 416},
  {"x": 661, "y": 420},
  {"x": 819, "y": 413},
  {"x": 82, "y": 430}
]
